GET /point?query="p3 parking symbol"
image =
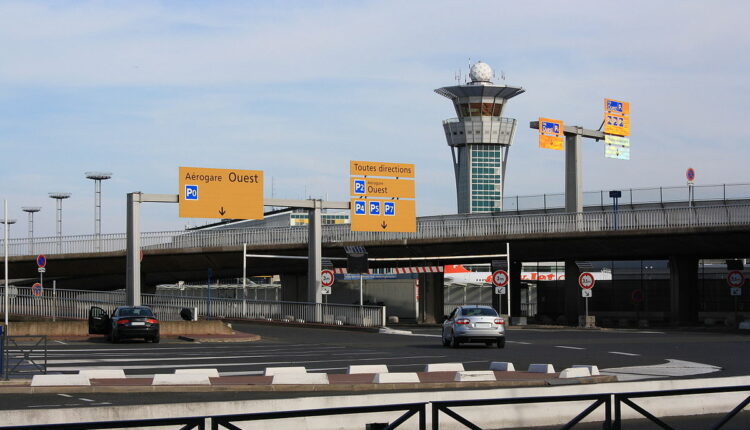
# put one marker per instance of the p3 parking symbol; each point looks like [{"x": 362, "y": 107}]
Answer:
[{"x": 191, "y": 192}]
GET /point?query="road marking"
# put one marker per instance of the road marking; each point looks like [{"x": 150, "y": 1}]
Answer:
[
  {"x": 101, "y": 404},
  {"x": 625, "y": 353},
  {"x": 65, "y": 395},
  {"x": 44, "y": 406},
  {"x": 61, "y": 342},
  {"x": 85, "y": 400},
  {"x": 672, "y": 368},
  {"x": 518, "y": 342},
  {"x": 568, "y": 347},
  {"x": 196, "y": 358},
  {"x": 292, "y": 362}
]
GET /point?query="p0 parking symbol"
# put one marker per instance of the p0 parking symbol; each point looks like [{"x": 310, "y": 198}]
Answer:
[{"x": 191, "y": 192}]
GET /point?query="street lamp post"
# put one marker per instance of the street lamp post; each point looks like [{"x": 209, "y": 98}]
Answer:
[
  {"x": 98, "y": 177},
  {"x": 59, "y": 197},
  {"x": 31, "y": 210}
]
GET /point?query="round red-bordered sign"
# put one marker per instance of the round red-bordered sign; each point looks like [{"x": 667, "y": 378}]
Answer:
[
  {"x": 500, "y": 278},
  {"x": 326, "y": 277},
  {"x": 735, "y": 279},
  {"x": 41, "y": 260},
  {"x": 586, "y": 281},
  {"x": 690, "y": 174},
  {"x": 37, "y": 290}
]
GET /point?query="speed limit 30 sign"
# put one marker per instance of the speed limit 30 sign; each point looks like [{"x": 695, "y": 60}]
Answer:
[
  {"x": 586, "y": 280},
  {"x": 735, "y": 279}
]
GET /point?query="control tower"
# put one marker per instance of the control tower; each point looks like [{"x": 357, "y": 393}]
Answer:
[{"x": 479, "y": 139}]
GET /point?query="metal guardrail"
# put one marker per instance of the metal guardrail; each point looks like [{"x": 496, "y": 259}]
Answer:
[
  {"x": 632, "y": 196},
  {"x": 22, "y": 359},
  {"x": 453, "y": 226},
  {"x": 598, "y": 400},
  {"x": 75, "y": 304},
  {"x": 228, "y": 421}
]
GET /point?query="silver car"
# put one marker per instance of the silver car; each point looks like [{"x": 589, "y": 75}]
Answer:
[{"x": 473, "y": 323}]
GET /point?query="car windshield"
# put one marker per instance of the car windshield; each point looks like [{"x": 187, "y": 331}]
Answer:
[
  {"x": 478, "y": 312},
  {"x": 136, "y": 312}
]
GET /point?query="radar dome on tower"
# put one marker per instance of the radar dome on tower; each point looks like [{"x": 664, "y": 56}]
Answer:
[{"x": 480, "y": 72}]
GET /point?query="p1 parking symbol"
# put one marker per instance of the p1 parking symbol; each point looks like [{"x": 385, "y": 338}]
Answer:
[
  {"x": 359, "y": 207},
  {"x": 191, "y": 192},
  {"x": 389, "y": 208},
  {"x": 374, "y": 208}
]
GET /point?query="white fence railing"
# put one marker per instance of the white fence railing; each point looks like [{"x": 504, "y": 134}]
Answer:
[
  {"x": 444, "y": 227},
  {"x": 75, "y": 304}
]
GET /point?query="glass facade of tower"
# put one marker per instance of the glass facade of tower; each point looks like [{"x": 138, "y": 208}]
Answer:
[{"x": 486, "y": 178}]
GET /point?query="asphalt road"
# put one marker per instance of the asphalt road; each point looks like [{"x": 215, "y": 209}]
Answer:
[{"x": 326, "y": 350}]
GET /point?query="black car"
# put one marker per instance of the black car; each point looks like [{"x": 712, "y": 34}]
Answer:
[{"x": 126, "y": 322}]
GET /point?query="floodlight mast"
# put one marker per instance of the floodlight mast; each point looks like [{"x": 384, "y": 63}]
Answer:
[
  {"x": 98, "y": 177},
  {"x": 59, "y": 196},
  {"x": 31, "y": 210}
]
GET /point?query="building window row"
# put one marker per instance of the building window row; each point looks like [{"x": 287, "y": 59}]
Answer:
[{"x": 479, "y": 109}]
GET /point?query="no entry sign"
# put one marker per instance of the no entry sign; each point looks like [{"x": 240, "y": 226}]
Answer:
[{"x": 586, "y": 280}]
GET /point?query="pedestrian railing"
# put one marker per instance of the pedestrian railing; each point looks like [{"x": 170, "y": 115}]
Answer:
[
  {"x": 23, "y": 356},
  {"x": 75, "y": 304},
  {"x": 230, "y": 421},
  {"x": 439, "y": 227}
]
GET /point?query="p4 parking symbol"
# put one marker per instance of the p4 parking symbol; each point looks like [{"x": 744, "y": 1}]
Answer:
[
  {"x": 191, "y": 192},
  {"x": 359, "y": 207},
  {"x": 389, "y": 208}
]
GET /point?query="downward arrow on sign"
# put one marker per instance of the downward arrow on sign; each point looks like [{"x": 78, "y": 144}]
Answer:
[
  {"x": 222, "y": 211},
  {"x": 384, "y": 225}
]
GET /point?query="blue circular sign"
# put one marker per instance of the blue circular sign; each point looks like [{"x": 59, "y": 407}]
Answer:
[
  {"x": 41, "y": 261},
  {"x": 690, "y": 174},
  {"x": 37, "y": 290}
]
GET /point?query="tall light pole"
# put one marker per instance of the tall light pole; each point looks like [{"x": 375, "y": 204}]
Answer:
[
  {"x": 98, "y": 177},
  {"x": 59, "y": 197},
  {"x": 6, "y": 235},
  {"x": 31, "y": 210}
]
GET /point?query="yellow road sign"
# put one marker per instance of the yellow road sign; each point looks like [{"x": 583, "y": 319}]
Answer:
[
  {"x": 551, "y": 134},
  {"x": 380, "y": 187},
  {"x": 616, "y": 124},
  {"x": 374, "y": 168},
  {"x": 221, "y": 193},
  {"x": 617, "y": 107},
  {"x": 383, "y": 215}
]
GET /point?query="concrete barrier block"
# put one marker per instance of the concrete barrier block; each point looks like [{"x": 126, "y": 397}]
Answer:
[
  {"x": 444, "y": 367},
  {"x": 211, "y": 373},
  {"x": 300, "y": 321},
  {"x": 541, "y": 368},
  {"x": 396, "y": 378},
  {"x": 594, "y": 370},
  {"x": 300, "y": 378},
  {"x": 475, "y": 375},
  {"x": 575, "y": 372},
  {"x": 502, "y": 366},
  {"x": 103, "y": 373},
  {"x": 58, "y": 380},
  {"x": 367, "y": 368},
  {"x": 273, "y": 371},
  {"x": 180, "y": 379}
]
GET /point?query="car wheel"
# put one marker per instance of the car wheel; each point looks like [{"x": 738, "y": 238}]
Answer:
[
  {"x": 454, "y": 341},
  {"x": 501, "y": 343},
  {"x": 446, "y": 342}
]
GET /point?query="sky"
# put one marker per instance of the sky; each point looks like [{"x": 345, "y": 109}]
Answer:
[{"x": 297, "y": 89}]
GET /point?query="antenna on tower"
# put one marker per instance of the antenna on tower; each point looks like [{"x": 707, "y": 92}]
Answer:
[
  {"x": 502, "y": 74},
  {"x": 457, "y": 76}
]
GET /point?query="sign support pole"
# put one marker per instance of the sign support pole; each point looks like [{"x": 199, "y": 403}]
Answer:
[
  {"x": 5, "y": 245},
  {"x": 507, "y": 260},
  {"x": 54, "y": 300},
  {"x": 314, "y": 251}
]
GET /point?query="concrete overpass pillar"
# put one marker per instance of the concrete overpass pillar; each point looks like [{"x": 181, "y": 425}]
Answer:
[
  {"x": 573, "y": 301},
  {"x": 683, "y": 290},
  {"x": 431, "y": 297},
  {"x": 515, "y": 282}
]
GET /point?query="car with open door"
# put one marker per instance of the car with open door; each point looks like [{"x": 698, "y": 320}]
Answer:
[{"x": 126, "y": 322}]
